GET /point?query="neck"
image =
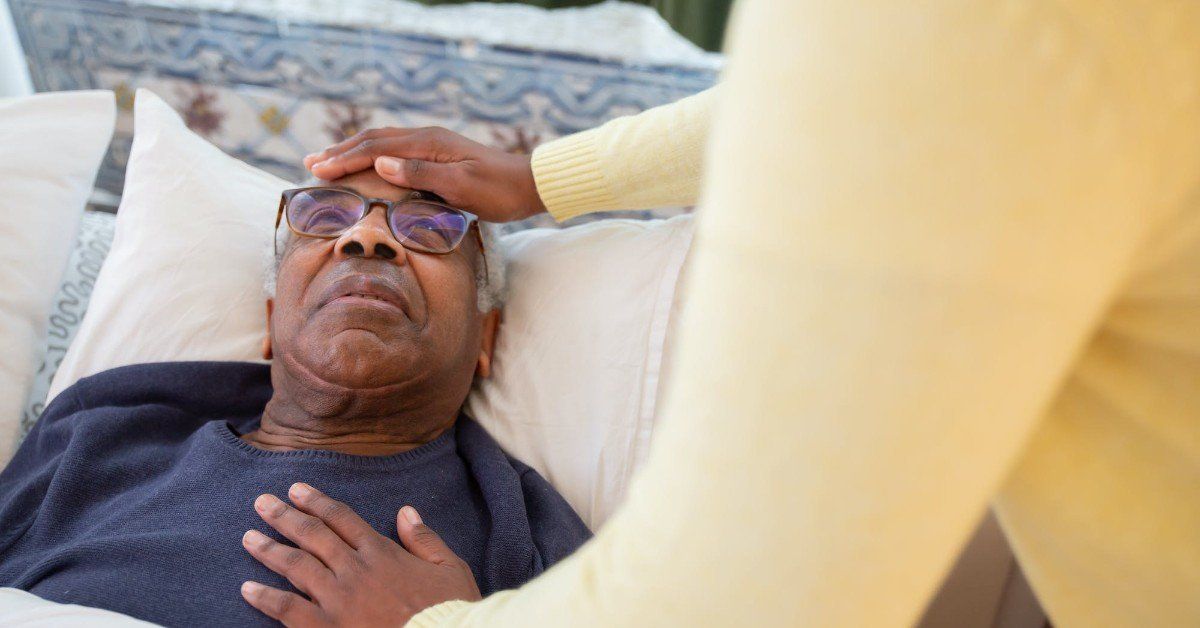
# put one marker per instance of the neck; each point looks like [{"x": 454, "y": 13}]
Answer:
[
  {"x": 282, "y": 433},
  {"x": 320, "y": 415}
]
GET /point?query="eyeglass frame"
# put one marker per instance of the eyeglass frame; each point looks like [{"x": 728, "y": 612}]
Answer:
[{"x": 370, "y": 204}]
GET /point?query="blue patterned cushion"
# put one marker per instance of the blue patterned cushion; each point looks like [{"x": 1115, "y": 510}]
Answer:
[{"x": 270, "y": 91}]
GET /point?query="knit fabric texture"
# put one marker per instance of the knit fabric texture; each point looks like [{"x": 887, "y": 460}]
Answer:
[{"x": 133, "y": 491}]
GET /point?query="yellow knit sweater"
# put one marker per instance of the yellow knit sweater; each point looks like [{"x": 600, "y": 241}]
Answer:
[{"x": 946, "y": 253}]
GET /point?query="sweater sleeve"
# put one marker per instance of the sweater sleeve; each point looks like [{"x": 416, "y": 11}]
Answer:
[
  {"x": 24, "y": 482},
  {"x": 914, "y": 218},
  {"x": 652, "y": 159}
]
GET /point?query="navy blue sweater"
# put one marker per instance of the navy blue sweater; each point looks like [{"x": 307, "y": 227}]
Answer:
[{"x": 133, "y": 491}]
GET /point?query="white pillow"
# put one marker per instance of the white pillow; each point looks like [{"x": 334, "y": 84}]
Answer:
[
  {"x": 183, "y": 279},
  {"x": 50, "y": 149},
  {"x": 578, "y": 356},
  {"x": 21, "y": 609}
]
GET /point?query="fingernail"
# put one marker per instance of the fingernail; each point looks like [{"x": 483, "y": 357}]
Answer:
[
  {"x": 411, "y": 515},
  {"x": 388, "y": 165},
  {"x": 321, "y": 164},
  {"x": 301, "y": 491},
  {"x": 250, "y": 587},
  {"x": 264, "y": 502},
  {"x": 311, "y": 156},
  {"x": 254, "y": 537}
]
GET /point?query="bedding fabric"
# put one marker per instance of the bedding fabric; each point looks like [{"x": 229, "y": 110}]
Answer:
[
  {"x": 133, "y": 491},
  {"x": 21, "y": 609},
  {"x": 50, "y": 146}
]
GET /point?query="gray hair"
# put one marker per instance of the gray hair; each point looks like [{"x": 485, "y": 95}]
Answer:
[{"x": 490, "y": 276}]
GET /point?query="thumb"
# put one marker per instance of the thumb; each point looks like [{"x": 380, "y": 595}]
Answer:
[
  {"x": 416, "y": 174},
  {"x": 420, "y": 540}
]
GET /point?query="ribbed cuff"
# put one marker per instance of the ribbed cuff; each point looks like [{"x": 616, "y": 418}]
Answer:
[
  {"x": 569, "y": 178},
  {"x": 436, "y": 614}
]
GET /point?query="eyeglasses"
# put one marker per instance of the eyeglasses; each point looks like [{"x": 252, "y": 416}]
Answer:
[{"x": 420, "y": 225}]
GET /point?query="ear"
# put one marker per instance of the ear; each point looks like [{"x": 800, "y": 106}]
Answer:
[
  {"x": 491, "y": 322},
  {"x": 266, "y": 347}
]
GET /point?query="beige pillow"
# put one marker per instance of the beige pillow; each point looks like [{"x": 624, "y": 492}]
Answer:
[
  {"x": 183, "y": 279},
  {"x": 50, "y": 147},
  {"x": 575, "y": 384}
]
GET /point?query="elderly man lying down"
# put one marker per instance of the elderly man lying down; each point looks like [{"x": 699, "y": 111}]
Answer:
[{"x": 133, "y": 490}]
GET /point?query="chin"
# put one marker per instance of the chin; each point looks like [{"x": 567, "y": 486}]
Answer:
[{"x": 360, "y": 359}]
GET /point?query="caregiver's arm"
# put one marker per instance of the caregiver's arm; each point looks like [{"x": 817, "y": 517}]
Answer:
[
  {"x": 652, "y": 159},
  {"x": 914, "y": 214}
]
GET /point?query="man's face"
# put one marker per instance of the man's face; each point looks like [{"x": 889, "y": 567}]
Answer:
[{"x": 362, "y": 312}]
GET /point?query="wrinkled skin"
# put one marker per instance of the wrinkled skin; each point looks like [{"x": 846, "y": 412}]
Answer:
[{"x": 366, "y": 375}]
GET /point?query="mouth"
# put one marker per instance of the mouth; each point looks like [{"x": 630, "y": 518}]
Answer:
[
  {"x": 365, "y": 300},
  {"x": 365, "y": 291},
  {"x": 362, "y": 295}
]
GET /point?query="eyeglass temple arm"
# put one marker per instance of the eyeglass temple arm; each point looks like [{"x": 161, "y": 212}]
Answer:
[
  {"x": 482, "y": 250},
  {"x": 283, "y": 199}
]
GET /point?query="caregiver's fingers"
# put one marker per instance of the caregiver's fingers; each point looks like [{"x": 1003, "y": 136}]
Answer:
[
  {"x": 289, "y": 608},
  {"x": 354, "y": 140},
  {"x": 421, "y": 541},
  {"x": 305, "y": 530},
  {"x": 417, "y": 174},
  {"x": 426, "y": 144},
  {"x": 493, "y": 184},
  {"x": 300, "y": 568},
  {"x": 338, "y": 516}
]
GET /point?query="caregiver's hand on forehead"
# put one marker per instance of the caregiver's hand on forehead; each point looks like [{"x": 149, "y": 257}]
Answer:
[{"x": 495, "y": 185}]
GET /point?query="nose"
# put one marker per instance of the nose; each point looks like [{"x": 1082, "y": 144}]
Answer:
[{"x": 370, "y": 237}]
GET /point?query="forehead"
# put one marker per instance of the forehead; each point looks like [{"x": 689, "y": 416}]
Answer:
[{"x": 370, "y": 184}]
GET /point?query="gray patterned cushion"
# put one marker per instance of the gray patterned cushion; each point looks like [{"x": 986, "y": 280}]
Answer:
[{"x": 91, "y": 247}]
